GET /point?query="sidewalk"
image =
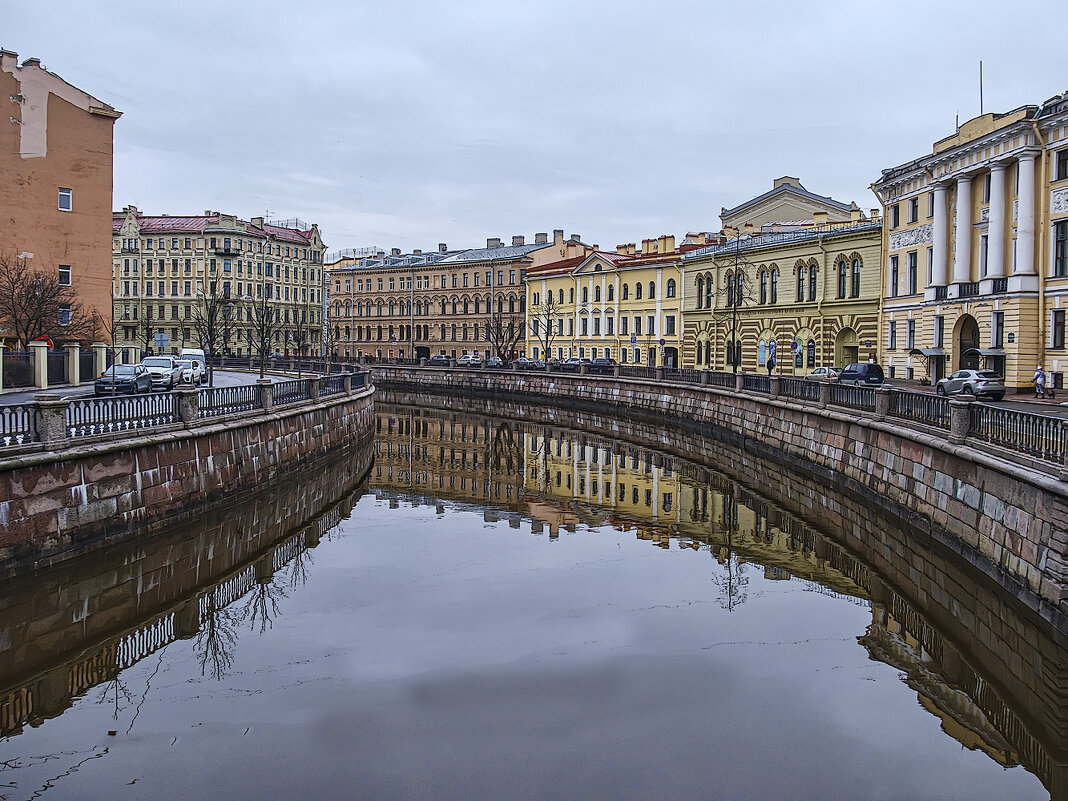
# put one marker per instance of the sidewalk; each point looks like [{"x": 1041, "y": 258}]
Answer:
[{"x": 1027, "y": 396}]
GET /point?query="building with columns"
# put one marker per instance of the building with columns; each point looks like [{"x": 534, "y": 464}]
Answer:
[{"x": 974, "y": 272}]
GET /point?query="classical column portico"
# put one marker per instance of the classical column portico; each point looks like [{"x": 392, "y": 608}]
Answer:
[
  {"x": 995, "y": 232},
  {"x": 1023, "y": 274},
  {"x": 939, "y": 242},
  {"x": 962, "y": 263}
]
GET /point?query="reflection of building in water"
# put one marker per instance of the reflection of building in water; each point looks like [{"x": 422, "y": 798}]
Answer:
[{"x": 447, "y": 455}]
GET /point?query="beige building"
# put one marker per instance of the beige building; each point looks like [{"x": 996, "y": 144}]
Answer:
[
  {"x": 55, "y": 197},
  {"x": 976, "y": 249},
  {"x": 169, "y": 272},
  {"x": 787, "y": 205},
  {"x": 410, "y": 306}
]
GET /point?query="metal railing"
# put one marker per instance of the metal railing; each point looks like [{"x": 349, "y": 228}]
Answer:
[
  {"x": 87, "y": 416},
  {"x": 684, "y": 375},
  {"x": 756, "y": 383},
  {"x": 17, "y": 424},
  {"x": 331, "y": 385},
  {"x": 217, "y": 401},
  {"x": 717, "y": 379},
  {"x": 853, "y": 396},
  {"x": 1038, "y": 435},
  {"x": 921, "y": 407},
  {"x": 291, "y": 391},
  {"x": 799, "y": 388},
  {"x": 636, "y": 371},
  {"x": 57, "y": 367},
  {"x": 18, "y": 369}
]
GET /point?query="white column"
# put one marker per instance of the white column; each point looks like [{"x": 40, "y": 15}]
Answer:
[
  {"x": 938, "y": 237},
  {"x": 995, "y": 251},
  {"x": 962, "y": 264},
  {"x": 1025, "y": 220}
]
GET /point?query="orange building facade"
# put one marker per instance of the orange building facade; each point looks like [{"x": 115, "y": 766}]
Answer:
[{"x": 56, "y": 158}]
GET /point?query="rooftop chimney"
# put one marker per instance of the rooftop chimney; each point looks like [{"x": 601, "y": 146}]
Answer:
[
  {"x": 494, "y": 242},
  {"x": 541, "y": 239},
  {"x": 518, "y": 241},
  {"x": 257, "y": 222},
  {"x": 576, "y": 237},
  {"x": 558, "y": 236},
  {"x": 875, "y": 214},
  {"x": 621, "y": 249},
  {"x": 442, "y": 247},
  {"x": 819, "y": 218},
  {"x": 417, "y": 252},
  {"x": 394, "y": 252}
]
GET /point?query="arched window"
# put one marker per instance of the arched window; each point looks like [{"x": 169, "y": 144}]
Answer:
[
  {"x": 535, "y": 299},
  {"x": 740, "y": 288},
  {"x": 466, "y": 306},
  {"x": 810, "y": 351},
  {"x": 391, "y": 308},
  {"x": 443, "y": 311},
  {"x": 455, "y": 305},
  {"x": 638, "y": 291},
  {"x": 670, "y": 288},
  {"x": 585, "y": 294},
  {"x": 763, "y": 286},
  {"x": 843, "y": 274},
  {"x": 561, "y": 300},
  {"x": 812, "y": 282},
  {"x": 700, "y": 299},
  {"x": 347, "y": 332},
  {"x": 801, "y": 283},
  {"x": 596, "y": 294},
  {"x": 730, "y": 290},
  {"x": 762, "y": 353},
  {"x": 775, "y": 285},
  {"x": 511, "y": 305},
  {"x": 442, "y": 332},
  {"x": 379, "y": 310},
  {"x": 570, "y": 295},
  {"x": 652, "y": 290},
  {"x": 626, "y": 292},
  {"x": 700, "y": 350},
  {"x": 611, "y": 292},
  {"x": 710, "y": 290},
  {"x": 854, "y": 290}
]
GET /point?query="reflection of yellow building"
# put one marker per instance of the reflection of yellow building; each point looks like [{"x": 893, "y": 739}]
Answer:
[
  {"x": 813, "y": 283},
  {"x": 624, "y": 305}
]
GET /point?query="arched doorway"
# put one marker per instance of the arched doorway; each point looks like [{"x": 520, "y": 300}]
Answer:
[
  {"x": 671, "y": 357},
  {"x": 846, "y": 347},
  {"x": 967, "y": 340}
]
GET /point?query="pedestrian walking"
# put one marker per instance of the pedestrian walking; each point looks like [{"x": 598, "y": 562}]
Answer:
[
  {"x": 1039, "y": 380},
  {"x": 771, "y": 365}
]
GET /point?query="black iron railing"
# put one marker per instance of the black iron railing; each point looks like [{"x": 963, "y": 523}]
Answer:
[
  {"x": 218, "y": 401},
  {"x": 87, "y": 416}
]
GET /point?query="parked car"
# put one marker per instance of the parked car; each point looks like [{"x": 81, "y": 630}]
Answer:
[
  {"x": 164, "y": 371},
  {"x": 602, "y": 364},
  {"x": 868, "y": 374},
  {"x": 973, "y": 382},
  {"x": 495, "y": 361},
  {"x": 469, "y": 360},
  {"x": 523, "y": 363},
  {"x": 196, "y": 355},
  {"x": 822, "y": 373},
  {"x": 191, "y": 372},
  {"x": 573, "y": 364},
  {"x": 439, "y": 360},
  {"x": 128, "y": 378}
]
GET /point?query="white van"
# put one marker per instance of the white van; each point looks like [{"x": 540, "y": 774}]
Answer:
[{"x": 196, "y": 355}]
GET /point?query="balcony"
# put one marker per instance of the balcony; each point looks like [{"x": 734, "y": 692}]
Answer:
[
  {"x": 1000, "y": 286},
  {"x": 969, "y": 290},
  {"x": 221, "y": 251},
  {"x": 940, "y": 292}
]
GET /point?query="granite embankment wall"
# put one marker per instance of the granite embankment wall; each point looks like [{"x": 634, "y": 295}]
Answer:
[
  {"x": 80, "y": 494},
  {"x": 1008, "y": 520}
]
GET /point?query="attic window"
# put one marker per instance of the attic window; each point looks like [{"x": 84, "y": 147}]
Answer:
[{"x": 597, "y": 268}]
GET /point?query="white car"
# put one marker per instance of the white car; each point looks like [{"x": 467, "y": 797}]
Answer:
[
  {"x": 163, "y": 371},
  {"x": 469, "y": 360},
  {"x": 822, "y": 373},
  {"x": 191, "y": 372}
]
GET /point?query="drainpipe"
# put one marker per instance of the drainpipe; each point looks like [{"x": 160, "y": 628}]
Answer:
[
  {"x": 1042, "y": 224},
  {"x": 885, "y": 240}
]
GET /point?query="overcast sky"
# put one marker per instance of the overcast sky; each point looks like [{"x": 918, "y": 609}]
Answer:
[{"x": 404, "y": 124}]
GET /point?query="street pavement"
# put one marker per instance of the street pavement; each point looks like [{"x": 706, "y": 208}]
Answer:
[
  {"x": 223, "y": 378},
  {"x": 1022, "y": 402}
]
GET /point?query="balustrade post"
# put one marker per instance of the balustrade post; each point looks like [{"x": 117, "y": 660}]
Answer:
[
  {"x": 582, "y": 369},
  {"x": 346, "y": 382},
  {"x": 705, "y": 376},
  {"x": 313, "y": 387},
  {"x": 266, "y": 393},
  {"x": 74, "y": 367},
  {"x": 615, "y": 371},
  {"x": 659, "y": 373},
  {"x": 960, "y": 418},
  {"x": 51, "y": 418},
  {"x": 774, "y": 386},
  {"x": 39, "y": 362},
  {"x": 739, "y": 382},
  {"x": 188, "y": 405},
  {"x": 825, "y": 394},
  {"x": 882, "y": 401},
  {"x": 100, "y": 358}
]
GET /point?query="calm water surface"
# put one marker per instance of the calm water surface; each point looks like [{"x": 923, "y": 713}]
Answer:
[{"x": 474, "y": 629}]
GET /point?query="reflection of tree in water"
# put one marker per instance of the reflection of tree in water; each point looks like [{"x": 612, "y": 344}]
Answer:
[
  {"x": 297, "y": 574},
  {"x": 111, "y": 693},
  {"x": 215, "y": 641},
  {"x": 732, "y": 581},
  {"x": 506, "y": 449},
  {"x": 261, "y": 606}
]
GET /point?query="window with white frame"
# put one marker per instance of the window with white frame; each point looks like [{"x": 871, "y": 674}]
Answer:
[
  {"x": 66, "y": 199},
  {"x": 64, "y": 275}
]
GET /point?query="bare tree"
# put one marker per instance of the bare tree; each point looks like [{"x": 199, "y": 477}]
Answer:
[
  {"x": 504, "y": 332},
  {"x": 299, "y": 332},
  {"x": 214, "y": 322},
  {"x": 266, "y": 325},
  {"x": 36, "y": 305},
  {"x": 543, "y": 320}
]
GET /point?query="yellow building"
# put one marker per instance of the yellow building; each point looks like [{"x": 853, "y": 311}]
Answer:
[
  {"x": 814, "y": 284},
  {"x": 976, "y": 249},
  {"x": 625, "y": 305}
]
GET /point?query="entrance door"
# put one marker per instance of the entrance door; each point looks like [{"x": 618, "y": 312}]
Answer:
[{"x": 968, "y": 340}]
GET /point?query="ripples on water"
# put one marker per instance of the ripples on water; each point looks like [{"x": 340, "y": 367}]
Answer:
[{"x": 519, "y": 610}]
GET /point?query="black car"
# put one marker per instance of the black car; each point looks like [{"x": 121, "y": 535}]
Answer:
[
  {"x": 439, "y": 360},
  {"x": 866, "y": 374},
  {"x": 602, "y": 364},
  {"x": 126, "y": 378}
]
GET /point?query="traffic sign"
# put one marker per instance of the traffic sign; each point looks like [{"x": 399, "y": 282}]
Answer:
[
  {"x": 161, "y": 340},
  {"x": 793, "y": 345},
  {"x": 663, "y": 342},
  {"x": 633, "y": 339}
]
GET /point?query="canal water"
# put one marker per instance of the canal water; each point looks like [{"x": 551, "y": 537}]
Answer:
[{"x": 551, "y": 608}]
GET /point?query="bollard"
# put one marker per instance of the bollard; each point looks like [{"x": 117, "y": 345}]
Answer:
[
  {"x": 188, "y": 405},
  {"x": 825, "y": 394},
  {"x": 266, "y": 393},
  {"x": 960, "y": 418},
  {"x": 51, "y": 418}
]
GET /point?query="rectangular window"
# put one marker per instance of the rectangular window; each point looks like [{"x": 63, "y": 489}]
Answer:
[
  {"x": 1062, "y": 164},
  {"x": 893, "y": 335},
  {"x": 638, "y": 326},
  {"x": 930, "y": 266},
  {"x": 983, "y": 254},
  {"x": 609, "y": 325},
  {"x": 585, "y": 326},
  {"x": 64, "y": 314},
  {"x": 64, "y": 275},
  {"x": 930, "y": 205},
  {"x": 650, "y": 323},
  {"x": 914, "y": 209},
  {"x": 895, "y": 215},
  {"x": 939, "y": 330},
  {"x": 910, "y": 334},
  {"x": 1057, "y": 329},
  {"x": 997, "y": 329},
  {"x": 912, "y": 277},
  {"x": 669, "y": 325},
  {"x": 1060, "y": 247},
  {"x": 623, "y": 322},
  {"x": 596, "y": 326},
  {"x": 66, "y": 199},
  {"x": 986, "y": 188},
  {"x": 893, "y": 276}
]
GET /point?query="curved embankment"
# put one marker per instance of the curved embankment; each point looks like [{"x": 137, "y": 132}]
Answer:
[
  {"x": 1008, "y": 520},
  {"x": 57, "y": 504}
]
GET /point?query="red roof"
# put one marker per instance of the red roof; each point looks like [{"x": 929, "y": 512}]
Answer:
[{"x": 166, "y": 224}]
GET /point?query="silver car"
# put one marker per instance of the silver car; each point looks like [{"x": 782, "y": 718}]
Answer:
[{"x": 973, "y": 382}]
